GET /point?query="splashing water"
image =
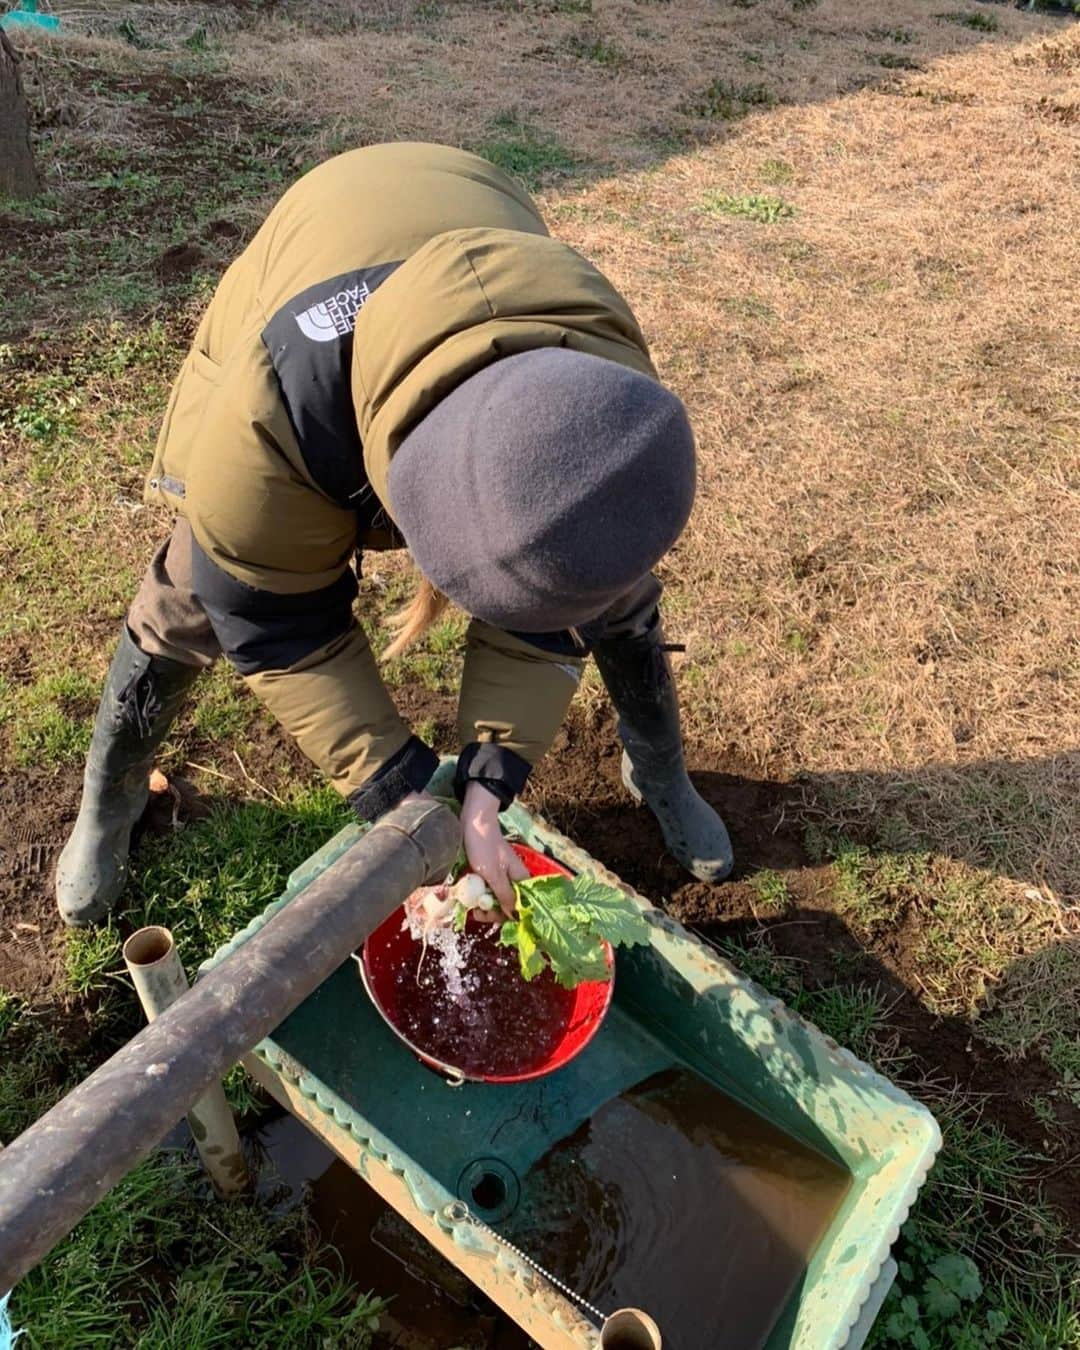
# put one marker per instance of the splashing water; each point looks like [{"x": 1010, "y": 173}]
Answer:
[
  {"x": 7, "y": 1336},
  {"x": 463, "y": 1000}
]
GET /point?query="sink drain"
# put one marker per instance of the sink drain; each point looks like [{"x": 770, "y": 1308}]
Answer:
[{"x": 490, "y": 1189}]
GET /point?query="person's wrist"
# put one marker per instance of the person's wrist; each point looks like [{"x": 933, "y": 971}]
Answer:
[{"x": 479, "y": 803}]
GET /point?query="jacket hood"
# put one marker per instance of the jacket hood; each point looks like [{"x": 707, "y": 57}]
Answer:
[{"x": 466, "y": 299}]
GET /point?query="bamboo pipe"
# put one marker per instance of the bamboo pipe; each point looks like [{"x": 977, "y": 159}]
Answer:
[
  {"x": 158, "y": 976},
  {"x": 630, "y": 1329}
]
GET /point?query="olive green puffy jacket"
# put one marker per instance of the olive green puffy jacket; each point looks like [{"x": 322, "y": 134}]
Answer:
[{"x": 378, "y": 282}]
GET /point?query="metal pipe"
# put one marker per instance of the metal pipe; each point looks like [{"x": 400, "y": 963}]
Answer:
[
  {"x": 630, "y": 1329},
  {"x": 158, "y": 976},
  {"x": 61, "y": 1166}
]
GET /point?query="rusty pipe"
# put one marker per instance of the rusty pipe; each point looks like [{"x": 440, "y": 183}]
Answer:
[
  {"x": 158, "y": 976},
  {"x": 63, "y": 1164}
]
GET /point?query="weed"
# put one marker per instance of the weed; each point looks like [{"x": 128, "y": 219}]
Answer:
[
  {"x": 12, "y": 1008},
  {"x": 796, "y": 641},
  {"x": 974, "y": 19},
  {"x": 940, "y": 1312},
  {"x": 600, "y": 50},
  {"x": 727, "y": 102},
  {"x": 770, "y": 889},
  {"x": 898, "y": 35},
  {"x": 91, "y": 957},
  {"x": 42, "y": 407},
  {"x": 977, "y": 1210},
  {"x": 532, "y": 156},
  {"x": 764, "y": 210},
  {"x": 896, "y": 61},
  {"x": 777, "y": 172}
]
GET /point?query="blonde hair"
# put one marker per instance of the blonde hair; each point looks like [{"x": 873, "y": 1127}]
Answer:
[{"x": 413, "y": 620}]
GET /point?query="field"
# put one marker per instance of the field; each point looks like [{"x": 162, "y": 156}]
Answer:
[{"x": 849, "y": 233}]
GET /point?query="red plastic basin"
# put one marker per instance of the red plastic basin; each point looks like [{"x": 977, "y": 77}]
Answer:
[{"x": 574, "y": 1014}]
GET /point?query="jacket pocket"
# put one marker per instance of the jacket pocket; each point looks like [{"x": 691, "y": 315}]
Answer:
[{"x": 184, "y": 415}]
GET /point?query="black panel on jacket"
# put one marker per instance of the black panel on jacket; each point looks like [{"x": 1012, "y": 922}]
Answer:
[
  {"x": 260, "y": 630},
  {"x": 310, "y": 342}
]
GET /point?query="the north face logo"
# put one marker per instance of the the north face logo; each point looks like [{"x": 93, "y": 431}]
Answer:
[{"x": 334, "y": 317}]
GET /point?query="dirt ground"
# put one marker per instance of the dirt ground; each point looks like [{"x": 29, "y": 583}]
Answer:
[{"x": 850, "y": 239}]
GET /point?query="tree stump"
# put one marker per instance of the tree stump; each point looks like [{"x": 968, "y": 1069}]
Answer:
[{"x": 18, "y": 172}]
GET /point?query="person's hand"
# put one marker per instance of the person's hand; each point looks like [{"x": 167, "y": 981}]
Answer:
[{"x": 488, "y": 852}]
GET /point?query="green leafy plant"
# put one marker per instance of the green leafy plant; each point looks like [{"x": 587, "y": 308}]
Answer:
[
  {"x": 764, "y": 209},
  {"x": 562, "y": 924},
  {"x": 938, "y": 1301}
]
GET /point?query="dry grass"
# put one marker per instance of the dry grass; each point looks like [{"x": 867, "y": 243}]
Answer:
[{"x": 878, "y": 587}]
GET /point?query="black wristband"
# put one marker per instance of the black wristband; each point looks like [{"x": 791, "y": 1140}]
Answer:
[
  {"x": 410, "y": 770},
  {"x": 500, "y": 770}
]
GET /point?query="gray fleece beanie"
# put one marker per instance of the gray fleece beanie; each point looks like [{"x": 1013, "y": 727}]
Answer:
[{"x": 542, "y": 488}]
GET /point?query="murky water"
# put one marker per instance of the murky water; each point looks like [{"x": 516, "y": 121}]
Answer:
[
  {"x": 486, "y": 1021},
  {"x": 432, "y": 1305},
  {"x": 676, "y": 1199}
]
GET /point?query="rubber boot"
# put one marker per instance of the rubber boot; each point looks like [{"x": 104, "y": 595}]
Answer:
[
  {"x": 141, "y": 698},
  {"x": 638, "y": 677}
]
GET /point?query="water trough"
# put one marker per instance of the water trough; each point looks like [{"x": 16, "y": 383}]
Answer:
[{"x": 499, "y": 1176}]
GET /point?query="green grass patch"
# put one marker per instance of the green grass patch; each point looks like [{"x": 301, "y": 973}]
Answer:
[
  {"x": 898, "y": 35},
  {"x": 158, "y": 1265},
  {"x": 895, "y": 61},
  {"x": 51, "y": 719},
  {"x": 35, "y": 1071},
  {"x": 91, "y": 959},
  {"x": 225, "y": 709},
  {"x": 1035, "y": 1008},
  {"x": 183, "y": 160},
  {"x": 723, "y": 101},
  {"x": 601, "y": 51},
  {"x": 853, "y": 1015},
  {"x": 532, "y": 156},
  {"x": 871, "y": 889},
  {"x": 763, "y": 209},
  {"x": 12, "y": 1008},
  {"x": 770, "y": 890},
  {"x": 974, "y": 19},
  {"x": 776, "y": 172},
  {"x": 208, "y": 880},
  {"x": 436, "y": 661}
]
